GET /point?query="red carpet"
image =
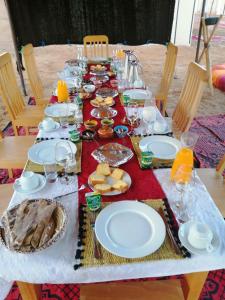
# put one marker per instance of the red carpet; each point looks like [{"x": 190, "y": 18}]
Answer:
[{"x": 214, "y": 288}]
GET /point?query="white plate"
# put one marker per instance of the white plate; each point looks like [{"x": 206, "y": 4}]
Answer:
[
  {"x": 137, "y": 94},
  {"x": 183, "y": 232},
  {"x": 57, "y": 125},
  {"x": 59, "y": 110},
  {"x": 111, "y": 181},
  {"x": 98, "y": 58},
  {"x": 42, "y": 181},
  {"x": 163, "y": 147},
  {"x": 130, "y": 229},
  {"x": 38, "y": 153}
]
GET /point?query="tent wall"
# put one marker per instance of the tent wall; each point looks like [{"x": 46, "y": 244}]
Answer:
[{"x": 134, "y": 22}]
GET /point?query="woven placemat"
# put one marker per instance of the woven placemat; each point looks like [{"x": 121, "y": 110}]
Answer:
[
  {"x": 31, "y": 166},
  {"x": 85, "y": 251},
  {"x": 156, "y": 163}
]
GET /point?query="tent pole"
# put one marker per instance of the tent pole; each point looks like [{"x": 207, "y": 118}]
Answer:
[
  {"x": 15, "y": 48},
  {"x": 200, "y": 31}
]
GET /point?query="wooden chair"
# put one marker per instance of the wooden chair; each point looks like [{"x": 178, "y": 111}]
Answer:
[
  {"x": 96, "y": 46},
  {"x": 191, "y": 94},
  {"x": 13, "y": 151},
  {"x": 33, "y": 77},
  {"x": 167, "y": 77},
  {"x": 20, "y": 114}
]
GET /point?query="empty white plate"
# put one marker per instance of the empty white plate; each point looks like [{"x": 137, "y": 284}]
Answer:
[
  {"x": 130, "y": 229},
  {"x": 60, "y": 110},
  {"x": 18, "y": 188},
  {"x": 40, "y": 152},
  {"x": 163, "y": 147},
  {"x": 138, "y": 94}
]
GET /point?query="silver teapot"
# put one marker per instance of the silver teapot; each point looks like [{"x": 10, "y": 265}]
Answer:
[
  {"x": 133, "y": 72},
  {"x": 129, "y": 56}
]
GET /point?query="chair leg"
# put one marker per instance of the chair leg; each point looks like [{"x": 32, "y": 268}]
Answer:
[
  {"x": 192, "y": 285},
  {"x": 27, "y": 130},
  {"x": 29, "y": 291},
  {"x": 10, "y": 172},
  {"x": 15, "y": 129}
]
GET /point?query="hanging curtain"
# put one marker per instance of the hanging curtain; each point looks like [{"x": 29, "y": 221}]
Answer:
[{"x": 132, "y": 22}]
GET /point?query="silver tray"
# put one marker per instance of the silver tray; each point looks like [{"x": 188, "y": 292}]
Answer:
[
  {"x": 96, "y": 113},
  {"x": 113, "y": 153},
  {"x": 103, "y": 79}
]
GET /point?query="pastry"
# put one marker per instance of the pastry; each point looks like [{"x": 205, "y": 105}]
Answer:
[
  {"x": 117, "y": 174},
  {"x": 103, "y": 169},
  {"x": 102, "y": 188},
  {"x": 120, "y": 185},
  {"x": 97, "y": 178}
]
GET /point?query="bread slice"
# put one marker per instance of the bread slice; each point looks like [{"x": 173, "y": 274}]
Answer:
[
  {"x": 102, "y": 188},
  {"x": 103, "y": 169},
  {"x": 117, "y": 174},
  {"x": 120, "y": 185},
  {"x": 96, "y": 179}
]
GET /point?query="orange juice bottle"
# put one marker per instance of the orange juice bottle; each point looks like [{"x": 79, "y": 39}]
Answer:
[
  {"x": 184, "y": 160},
  {"x": 62, "y": 91}
]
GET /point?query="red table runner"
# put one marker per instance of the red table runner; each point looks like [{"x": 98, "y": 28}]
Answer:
[{"x": 144, "y": 183}]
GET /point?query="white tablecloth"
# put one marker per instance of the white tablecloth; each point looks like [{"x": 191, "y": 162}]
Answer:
[{"x": 55, "y": 264}]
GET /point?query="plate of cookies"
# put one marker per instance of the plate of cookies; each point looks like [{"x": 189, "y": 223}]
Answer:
[
  {"x": 100, "y": 101},
  {"x": 109, "y": 181}
]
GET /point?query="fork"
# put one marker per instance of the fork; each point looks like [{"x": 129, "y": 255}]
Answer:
[{"x": 97, "y": 246}]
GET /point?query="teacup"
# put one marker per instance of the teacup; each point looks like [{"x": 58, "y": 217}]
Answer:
[
  {"x": 28, "y": 180},
  {"x": 200, "y": 236},
  {"x": 48, "y": 124},
  {"x": 74, "y": 135},
  {"x": 159, "y": 127}
]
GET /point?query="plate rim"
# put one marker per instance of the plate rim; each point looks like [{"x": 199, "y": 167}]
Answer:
[
  {"x": 163, "y": 137},
  {"x": 53, "y": 105},
  {"x": 101, "y": 227},
  {"x": 48, "y": 141}
]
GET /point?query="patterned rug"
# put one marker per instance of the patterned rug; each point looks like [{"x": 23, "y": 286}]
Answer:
[{"x": 214, "y": 288}]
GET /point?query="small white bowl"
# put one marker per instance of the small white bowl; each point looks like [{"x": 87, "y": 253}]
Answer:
[{"x": 89, "y": 88}]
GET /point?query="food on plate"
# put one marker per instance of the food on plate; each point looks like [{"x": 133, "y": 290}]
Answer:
[
  {"x": 120, "y": 185},
  {"x": 117, "y": 173},
  {"x": 97, "y": 179},
  {"x": 102, "y": 188},
  {"x": 31, "y": 224},
  {"x": 105, "y": 179},
  {"x": 103, "y": 169},
  {"x": 99, "y": 101}
]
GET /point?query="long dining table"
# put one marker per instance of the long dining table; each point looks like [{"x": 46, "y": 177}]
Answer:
[{"x": 58, "y": 263}]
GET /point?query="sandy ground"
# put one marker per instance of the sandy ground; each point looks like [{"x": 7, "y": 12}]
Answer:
[{"x": 50, "y": 60}]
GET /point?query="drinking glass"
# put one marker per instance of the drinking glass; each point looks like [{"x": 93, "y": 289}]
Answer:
[
  {"x": 188, "y": 140},
  {"x": 182, "y": 180},
  {"x": 78, "y": 116},
  {"x": 63, "y": 119},
  {"x": 132, "y": 115},
  {"x": 149, "y": 118},
  {"x": 63, "y": 155},
  {"x": 50, "y": 169},
  {"x": 62, "y": 91}
]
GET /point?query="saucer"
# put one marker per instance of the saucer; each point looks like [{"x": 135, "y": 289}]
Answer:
[
  {"x": 42, "y": 181},
  {"x": 57, "y": 125},
  {"x": 184, "y": 228}
]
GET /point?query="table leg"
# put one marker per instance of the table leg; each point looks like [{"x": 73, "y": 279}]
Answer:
[
  {"x": 192, "y": 285},
  {"x": 29, "y": 291}
]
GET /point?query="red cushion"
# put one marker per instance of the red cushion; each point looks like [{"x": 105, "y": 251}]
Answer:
[{"x": 218, "y": 76}]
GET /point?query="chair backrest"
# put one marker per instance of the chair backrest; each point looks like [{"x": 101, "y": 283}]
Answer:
[
  {"x": 32, "y": 72},
  {"x": 168, "y": 73},
  {"x": 96, "y": 46},
  {"x": 10, "y": 92},
  {"x": 191, "y": 94}
]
